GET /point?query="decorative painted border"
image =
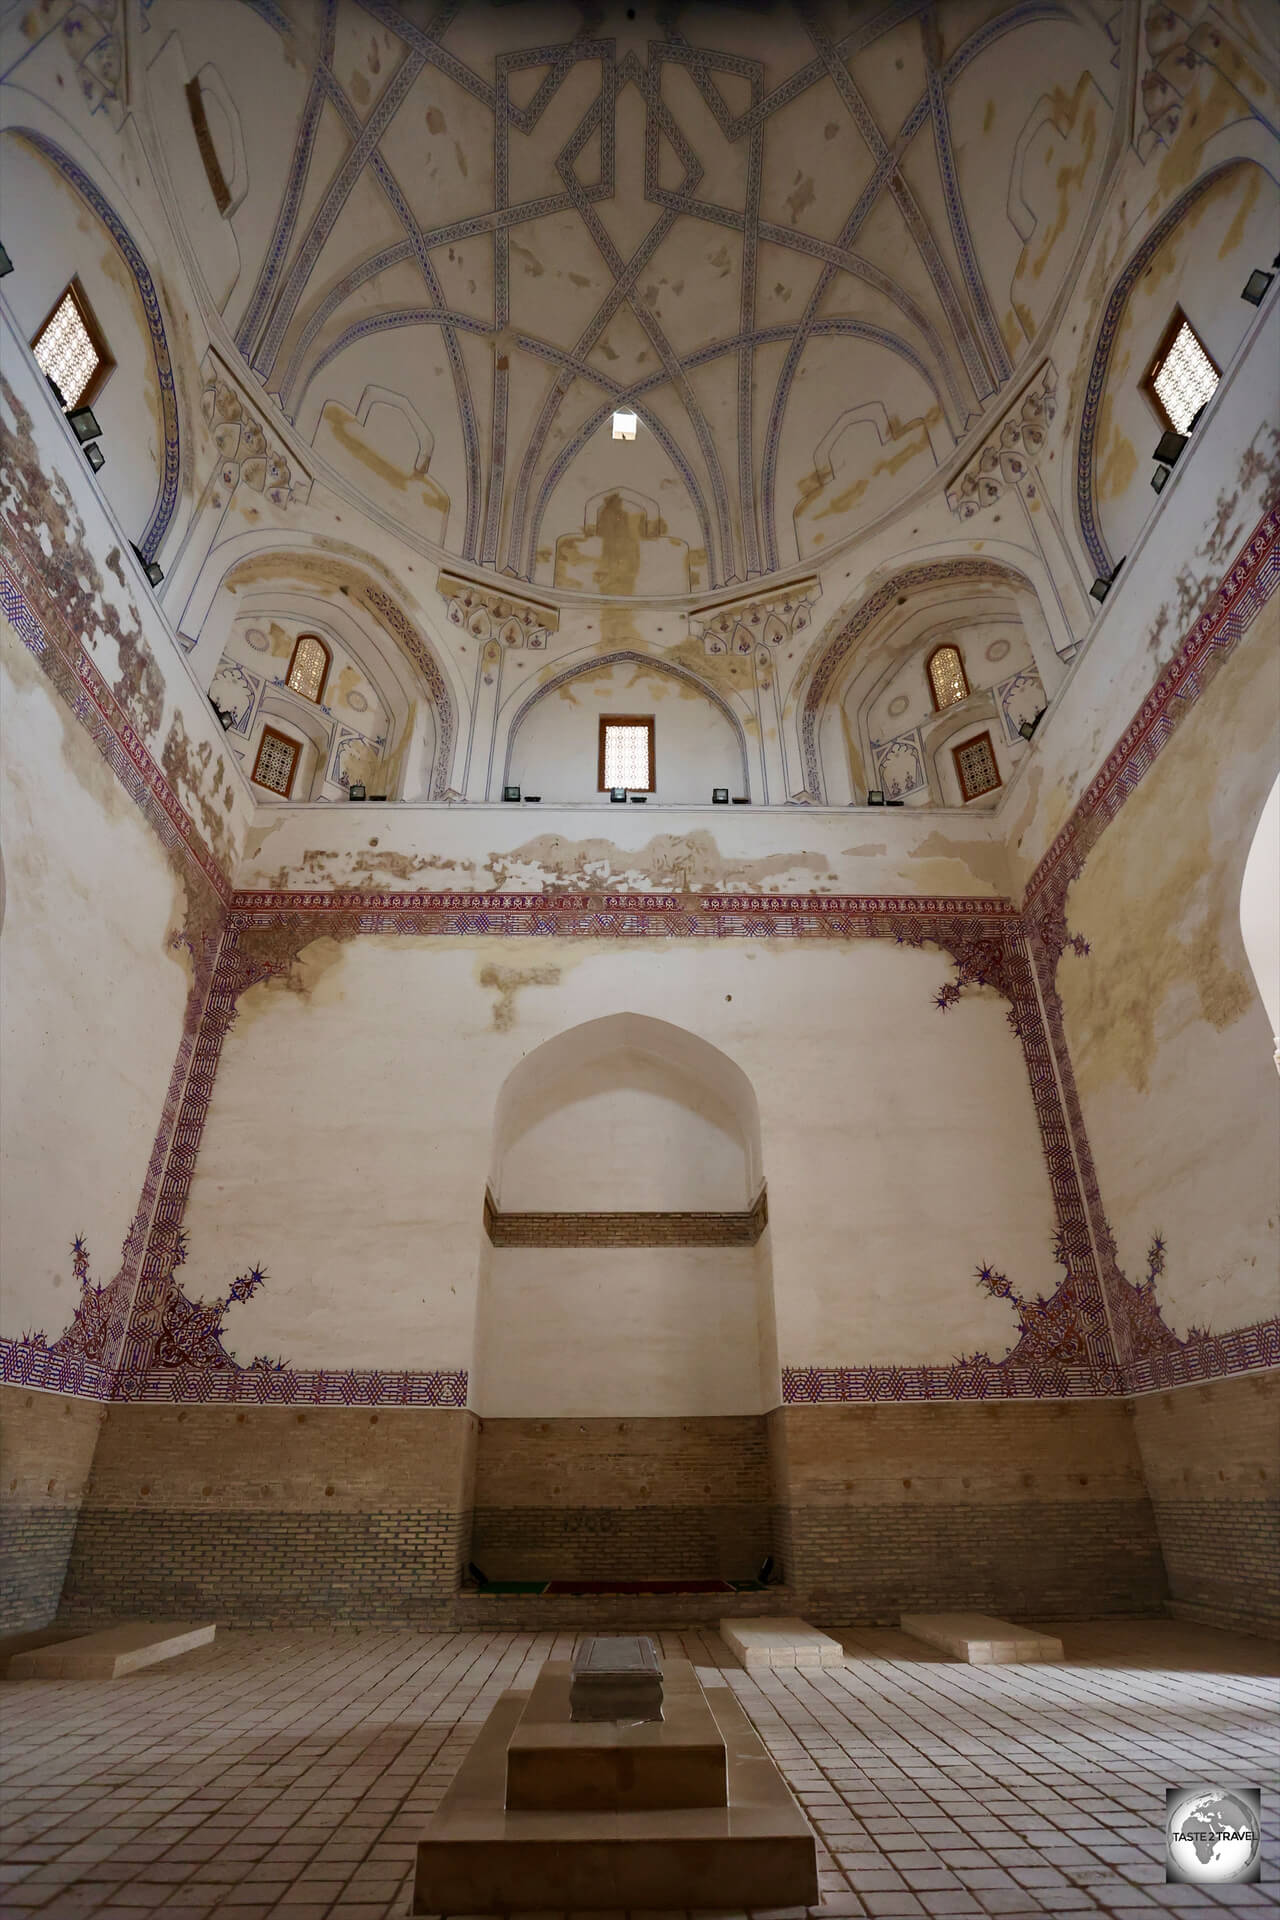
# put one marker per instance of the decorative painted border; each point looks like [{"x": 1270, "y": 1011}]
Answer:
[
  {"x": 167, "y": 497},
  {"x": 907, "y": 918},
  {"x": 689, "y": 1228}
]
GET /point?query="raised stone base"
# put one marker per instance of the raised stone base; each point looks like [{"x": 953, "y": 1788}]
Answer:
[
  {"x": 781, "y": 1641},
  {"x": 478, "y": 1857},
  {"x": 12, "y": 1644},
  {"x": 109, "y": 1654},
  {"x": 980, "y": 1639},
  {"x": 558, "y": 1764}
]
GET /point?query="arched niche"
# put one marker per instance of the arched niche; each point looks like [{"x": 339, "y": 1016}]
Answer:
[
  {"x": 868, "y": 717},
  {"x": 625, "y": 1116},
  {"x": 1195, "y": 257},
  {"x": 553, "y": 737},
  {"x": 1260, "y": 910}
]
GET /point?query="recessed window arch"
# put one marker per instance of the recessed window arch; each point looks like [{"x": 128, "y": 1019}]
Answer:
[
  {"x": 70, "y": 349},
  {"x": 1182, "y": 375},
  {"x": 948, "y": 682},
  {"x": 976, "y": 768},
  {"x": 309, "y": 667}
]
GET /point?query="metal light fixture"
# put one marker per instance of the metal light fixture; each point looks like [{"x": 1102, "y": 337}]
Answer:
[
  {"x": 6, "y": 264},
  {"x": 1027, "y": 727},
  {"x": 533, "y": 800},
  {"x": 1159, "y": 477},
  {"x": 1255, "y": 287},
  {"x": 742, "y": 799},
  {"x": 1104, "y": 583},
  {"x": 719, "y": 796},
  {"x": 356, "y": 790},
  {"x": 83, "y": 422},
  {"x": 152, "y": 568},
  {"x": 1169, "y": 446},
  {"x": 511, "y": 793},
  {"x": 95, "y": 456},
  {"x": 618, "y": 793},
  {"x": 639, "y": 799},
  {"x": 875, "y": 797},
  {"x": 225, "y": 715}
]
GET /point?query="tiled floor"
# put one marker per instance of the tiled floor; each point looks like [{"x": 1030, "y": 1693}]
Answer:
[{"x": 290, "y": 1774}]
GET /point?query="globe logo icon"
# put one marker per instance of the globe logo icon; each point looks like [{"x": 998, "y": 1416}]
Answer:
[{"x": 1213, "y": 1835}]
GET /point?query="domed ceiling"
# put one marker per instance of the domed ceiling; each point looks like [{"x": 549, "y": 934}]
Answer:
[{"x": 808, "y": 250}]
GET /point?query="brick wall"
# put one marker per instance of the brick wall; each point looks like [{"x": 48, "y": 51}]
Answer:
[
  {"x": 270, "y": 1515},
  {"x": 690, "y": 1229},
  {"x": 655, "y": 1498},
  {"x": 1023, "y": 1510},
  {"x": 46, "y": 1446},
  {"x": 1212, "y": 1459}
]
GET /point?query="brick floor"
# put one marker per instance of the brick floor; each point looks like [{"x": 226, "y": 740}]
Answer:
[{"x": 291, "y": 1773}]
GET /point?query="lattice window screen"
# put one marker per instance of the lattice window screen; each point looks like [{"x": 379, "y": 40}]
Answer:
[
  {"x": 277, "y": 759},
  {"x": 946, "y": 670},
  {"x": 1184, "y": 379},
  {"x": 64, "y": 350},
  {"x": 626, "y": 756},
  {"x": 976, "y": 764},
  {"x": 310, "y": 664}
]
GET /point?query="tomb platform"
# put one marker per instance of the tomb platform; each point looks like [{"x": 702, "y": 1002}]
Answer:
[
  {"x": 780, "y": 1640},
  {"x": 980, "y": 1639},
  {"x": 549, "y": 1812},
  {"x": 110, "y": 1654}
]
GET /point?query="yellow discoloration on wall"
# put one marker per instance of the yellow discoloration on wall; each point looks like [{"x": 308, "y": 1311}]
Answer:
[
  {"x": 610, "y": 559},
  {"x": 951, "y": 866},
  {"x": 1071, "y": 176},
  {"x": 282, "y": 643},
  {"x": 346, "y": 430},
  {"x": 857, "y": 772},
  {"x": 508, "y": 982},
  {"x": 914, "y": 439},
  {"x": 1118, "y": 464},
  {"x": 344, "y": 686},
  {"x": 1234, "y": 234},
  {"x": 1159, "y": 896}
]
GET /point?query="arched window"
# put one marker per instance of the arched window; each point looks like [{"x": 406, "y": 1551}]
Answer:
[
  {"x": 947, "y": 681},
  {"x": 309, "y": 667}
]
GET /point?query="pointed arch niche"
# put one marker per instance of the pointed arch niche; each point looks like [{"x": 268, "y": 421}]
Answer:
[
  {"x": 625, "y": 1123},
  {"x": 618, "y": 1368}
]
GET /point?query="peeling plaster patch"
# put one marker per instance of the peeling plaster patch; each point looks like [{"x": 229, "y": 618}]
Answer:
[
  {"x": 1158, "y": 898},
  {"x": 320, "y": 867},
  {"x": 508, "y": 982},
  {"x": 668, "y": 863},
  {"x": 981, "y": 860},
  {"x": 869, "y": 851}
]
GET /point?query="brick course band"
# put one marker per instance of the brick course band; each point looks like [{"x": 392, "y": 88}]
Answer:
[
  {"x": 1037, "y": 1559},
  {"x": 34, "y": 1545},
  {"x": 625, "y": 1229},
  {"x": 637, "y": 1543},
  {"x": 396, "y": 1566}
]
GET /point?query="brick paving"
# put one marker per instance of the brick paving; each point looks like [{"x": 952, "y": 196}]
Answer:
[{"x": 290, "y": 1773}]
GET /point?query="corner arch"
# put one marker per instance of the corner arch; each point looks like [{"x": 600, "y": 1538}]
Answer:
[{"x": 166, "y": 499}]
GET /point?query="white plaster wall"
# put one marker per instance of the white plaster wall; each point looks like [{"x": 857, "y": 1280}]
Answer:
[
  {"x": 620, "y": 1134},
  {"x": 92, "y": 1002},
  {"x": 555, "y": 751},
  {"x": 351, "y": 1125},
  {"x": 618, "y": 1330},
  {"x": 1260, "y": 908}
]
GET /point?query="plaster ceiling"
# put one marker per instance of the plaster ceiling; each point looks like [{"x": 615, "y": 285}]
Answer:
[{"x": 810, "y": 250}]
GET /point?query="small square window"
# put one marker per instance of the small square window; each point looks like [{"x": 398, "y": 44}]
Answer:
[
  {"x": 277, "y": 762},
  {"x": 624, "y": 426},
  {"x": 70, "y": 350},
  {"x": 976, "y": 767},
  {"x": 1182, "y": 376},
  {"x": 626, "y": 753}
]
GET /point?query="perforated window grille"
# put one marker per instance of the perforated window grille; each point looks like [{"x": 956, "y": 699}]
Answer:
[
  {"x": 628, "y": 761},
  {"x": 276, "y": 763},
  {"x": 946, "y": 677},
  {"x": 65, "y": 349},
  {"x": 310, "y": 667},
  {"x": 976, "y": 766},
  {"x": 1183, "y": 377}
]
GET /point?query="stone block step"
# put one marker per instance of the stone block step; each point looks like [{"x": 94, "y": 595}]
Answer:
[
  {"x": 15, "y": 1643},
  {"x": 780, "y": 1640},
  {"x": 981, "y": 1639},
  {"x": 110, "y": 1654}
]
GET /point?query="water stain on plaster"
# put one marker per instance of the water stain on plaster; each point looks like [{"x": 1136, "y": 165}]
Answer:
[
  {"x": 667, "y": 863},
  {"x": 508, "y": 981},
  {"x": 349, "y": 435},
  {"x": 940, "y": 857},
  {"x": 1159, "y": 895}
]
